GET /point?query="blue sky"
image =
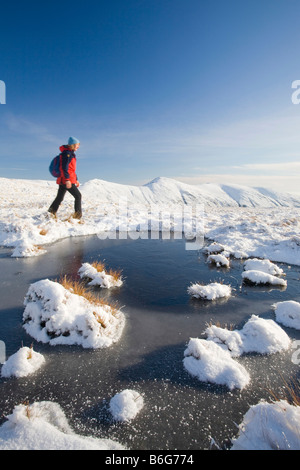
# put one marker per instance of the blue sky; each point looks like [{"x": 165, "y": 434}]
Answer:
[{"x": 197, "y": 90}]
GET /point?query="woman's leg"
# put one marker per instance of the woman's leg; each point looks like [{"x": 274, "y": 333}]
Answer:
[
  {"x": 77, "y": 203},
  {"x": 58, "y": 200}
]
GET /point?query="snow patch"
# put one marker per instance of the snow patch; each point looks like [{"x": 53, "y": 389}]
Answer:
[
  {"x": 263, "y": 265},
  {"x": 219, "y": 260},
  {"x": 209, "y": 362},
  {"x": 211, "y": 291},
  {"x": 99, "y": 278},
  {"x": 24, "y": 362},
  {"x": 258, "y": 277},
  {"x": 269, "y": 426},
  {"x": 257, "y": 335},
  {"x": 124, "y": 406},
  {"x": 288, "y": 313},
  {"x": 44, "y": 426}
]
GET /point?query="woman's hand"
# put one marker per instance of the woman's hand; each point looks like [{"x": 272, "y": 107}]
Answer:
[{"x": 68, "y": 184}]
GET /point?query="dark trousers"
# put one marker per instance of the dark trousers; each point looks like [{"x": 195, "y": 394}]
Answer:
[{"x": 60, "y": 196}]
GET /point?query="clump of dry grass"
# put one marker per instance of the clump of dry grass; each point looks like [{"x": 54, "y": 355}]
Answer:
[
  {"x": 100, "y": 266},
  {"x": 116, "y": 274},
  {"x": 79, "y": 288},
  {"x": 27, "y": 409},
  {"x": 290, "y": 393},
  {"x": 29, "y": 355},
  {"x": 99, "y": 319},
  {"x": 225, "y": 326}
]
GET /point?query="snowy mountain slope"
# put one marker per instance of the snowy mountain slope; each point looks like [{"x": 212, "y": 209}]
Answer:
[
  {"x": 169, "y": 191},
  {"x": 246, "y": 221}
]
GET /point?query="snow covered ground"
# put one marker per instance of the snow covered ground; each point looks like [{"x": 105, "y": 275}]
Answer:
[{"x": 247, "y": 222}]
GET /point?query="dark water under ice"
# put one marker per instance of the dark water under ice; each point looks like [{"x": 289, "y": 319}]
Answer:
[{"x": 180, "y": 412}]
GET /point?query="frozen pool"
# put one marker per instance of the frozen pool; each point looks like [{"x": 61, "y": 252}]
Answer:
[{"x": 180, "y": 412}]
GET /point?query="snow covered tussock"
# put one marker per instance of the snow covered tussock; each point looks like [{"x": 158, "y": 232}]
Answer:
[
  {"x": 269, "y": 426},
  {"x": 55, "y": 315},
  {"x": 212, "y": 359},
  {"x": 124, "y": 406},
  {"x": 24, "y": 362}
]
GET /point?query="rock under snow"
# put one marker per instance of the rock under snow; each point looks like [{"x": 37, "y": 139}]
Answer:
[
  {"x": 259, "y": 277},
  {"x": 55, "y": 315},
  {"x": 44, "y": 426}
]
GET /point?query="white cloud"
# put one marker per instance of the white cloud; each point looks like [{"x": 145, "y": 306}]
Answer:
[
  {"x": 23, "y": 126},
  {"x": 285, "y": 167}
]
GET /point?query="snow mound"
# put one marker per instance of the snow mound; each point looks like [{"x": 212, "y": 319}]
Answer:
[
  {"x": 211, "y": 291},
  {"x": 263, "y": 265},
  {"x": 124, "y": 406},
  {"x": 99, "y": 278},
  {"x": 22, "y": 363},
  {"x": 269, "y": 426},
  {"x": 259, "y": 277},
  {"x": 44, "y": 426},
  {"x": 26, "y": 249},
  {"x": 214, "y": 248},
  {"x": 55, "y": 315},
  {"x": 257, "y": 335},
  {"x": 288, "y": 313},
  {"x": 219, "y": 260},
  {"x": 209, "y": 362}
]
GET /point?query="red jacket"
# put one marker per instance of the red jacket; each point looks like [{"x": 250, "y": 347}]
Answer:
[{"x": 67, "y": 166}]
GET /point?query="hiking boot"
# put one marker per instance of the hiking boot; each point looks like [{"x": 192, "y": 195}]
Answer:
[
  {"x": 51, "y": 212},
  {"x": 77, "y": 215}
]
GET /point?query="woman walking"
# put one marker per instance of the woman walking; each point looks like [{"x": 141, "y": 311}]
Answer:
[{"x": 67, "y": 180}]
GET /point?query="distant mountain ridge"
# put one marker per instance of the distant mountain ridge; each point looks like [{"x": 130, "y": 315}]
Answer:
[{"x": 163, "y": 190}]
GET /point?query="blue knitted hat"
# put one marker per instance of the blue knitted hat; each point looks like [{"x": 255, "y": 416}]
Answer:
[{"x": 73, "y": 140}]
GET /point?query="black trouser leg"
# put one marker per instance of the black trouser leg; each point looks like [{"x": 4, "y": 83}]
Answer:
[
  {"x": 77, "y": 203},
  {"x": 58, "y": 200},
  {"x": 60, "y": 197}
]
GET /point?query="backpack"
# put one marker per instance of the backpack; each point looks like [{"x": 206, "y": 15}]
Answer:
[{"x": 54, "y": 167}]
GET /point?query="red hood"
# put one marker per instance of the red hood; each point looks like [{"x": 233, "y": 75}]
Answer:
[{"x": 63, "y": 148}]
